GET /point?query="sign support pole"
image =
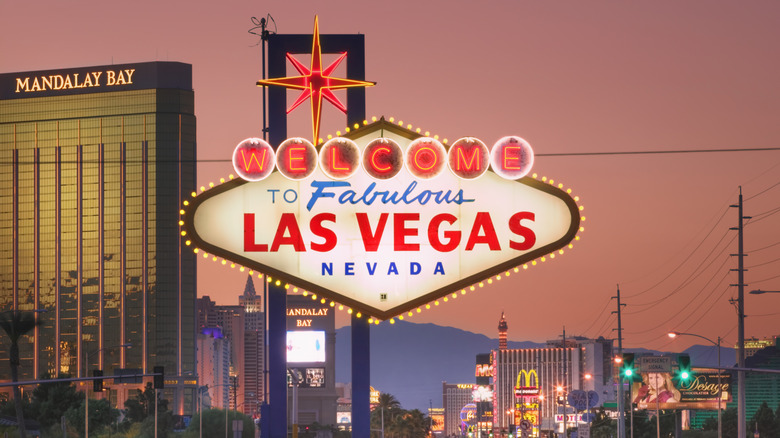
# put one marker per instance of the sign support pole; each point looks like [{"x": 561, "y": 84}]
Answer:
[
  {"x": 278, "y": 47},
  {"x": 361, "y": 378},
  {"x": 621, "y": 423},
  {"x": 277, "y": 362}
]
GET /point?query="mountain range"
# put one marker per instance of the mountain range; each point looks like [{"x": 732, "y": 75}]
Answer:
[{"x": 410, "y": 361}]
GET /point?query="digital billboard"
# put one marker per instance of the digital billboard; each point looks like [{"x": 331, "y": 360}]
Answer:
[
  {"x": 437, "y": 419},
  {"x": 305, "y": 346},
  {"x": 700, "y": 391},
  {"x": 307, "y": 377}
]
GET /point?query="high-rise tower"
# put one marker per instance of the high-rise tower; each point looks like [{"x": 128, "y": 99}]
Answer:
[
  {"x": 95, "y": 163},
  {"x": 502, "y": 329},
  {"x": 254, "y": 347}
]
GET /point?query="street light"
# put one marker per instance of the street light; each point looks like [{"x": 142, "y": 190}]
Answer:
[
  {"x": 510, "y": 421},
  {"x": 759, "y": 292},
  {"x": 227, "y": 405},
  {"x": 87, "y": 355},
  {"x": 200, "y": 399},
  {"x": 201, "y": 389},
  {"x": 720, "y": 386}
]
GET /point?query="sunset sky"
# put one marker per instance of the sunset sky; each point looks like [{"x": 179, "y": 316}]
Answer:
[{"x": 573, "y": 78}]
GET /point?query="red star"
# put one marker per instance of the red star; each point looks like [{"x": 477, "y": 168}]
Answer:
[{"x": 316, "y": 83}]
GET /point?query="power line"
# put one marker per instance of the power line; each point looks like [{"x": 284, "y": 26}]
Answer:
[
  {"x": 600, "y": 313},
  {"x": 684, "y": 151},
  {"x": 607, "y": 322},
  {"x": 690, "y": 279},
  {"x": 765, "y": 279},
  {"x": 763, "y": 264},
  {"x": 709, "y": 308},
  {"x": 682, "y": 308},
  {"x": 680, "y": 265},
  {"x": 765, "y": 247},
  {"x": 761, "y": 216},
  {"x": 764, "y": 191},
  {"x": 562, "y": 154},
  {"x": 705, "y": 313}
]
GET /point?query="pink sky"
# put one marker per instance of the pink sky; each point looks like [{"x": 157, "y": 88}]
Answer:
[{"x": 569, "y": 77}]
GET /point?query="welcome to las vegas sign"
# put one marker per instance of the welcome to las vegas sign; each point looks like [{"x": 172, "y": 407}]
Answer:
[{"x": 383, "y": 219}]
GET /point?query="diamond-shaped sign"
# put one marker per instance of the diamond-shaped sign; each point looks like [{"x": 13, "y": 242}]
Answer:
[{"x": 382, "y": 246}]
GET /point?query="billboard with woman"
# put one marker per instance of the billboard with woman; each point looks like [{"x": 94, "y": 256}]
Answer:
[{"x": 664, "y": 390}]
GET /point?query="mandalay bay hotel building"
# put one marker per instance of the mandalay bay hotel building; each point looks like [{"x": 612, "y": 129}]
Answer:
[{"x": 94, "y": 164}]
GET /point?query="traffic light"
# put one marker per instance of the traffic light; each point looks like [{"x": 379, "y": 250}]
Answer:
[
  {"x": 627, "y": 368},
  {"x": 684, "y": 367},
  {"x": 97, "y": 384},
  {"x": 159, "y": 377}
]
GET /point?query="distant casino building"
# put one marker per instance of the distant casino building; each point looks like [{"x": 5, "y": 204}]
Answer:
[
  {"x": 527, "y": 384},
  {"x": 214, "y": 367},
  {"x": 243, "y": 326},
  {"x": 454, "y": 397},
  {"x": 95, "y": 163},
  {"x": 254, "y": 348},
  {"x": 753, "y": 345},
  {"x": 760, "y": 387},
  {"x": 582, "y": 364}
]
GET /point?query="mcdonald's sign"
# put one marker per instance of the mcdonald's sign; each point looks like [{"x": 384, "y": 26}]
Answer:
[
  {"x": 526, "y": 386},
  {"x": 484, "y": 370}
]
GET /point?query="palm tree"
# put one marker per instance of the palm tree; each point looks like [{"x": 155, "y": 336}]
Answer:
[
  {"x": 384, "y": 413},
  {"x": 415, "y": 424},
  {"x": 388, "y": 402},
  {"x": 17, "y": 324}
]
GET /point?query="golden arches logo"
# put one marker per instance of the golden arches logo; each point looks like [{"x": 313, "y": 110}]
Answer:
[
  {"x": 523, "y": 387},
  {"x": 527, "y": 374}
]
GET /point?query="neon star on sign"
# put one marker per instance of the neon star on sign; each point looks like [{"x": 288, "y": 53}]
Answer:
[{"x": 316, "y": 83}]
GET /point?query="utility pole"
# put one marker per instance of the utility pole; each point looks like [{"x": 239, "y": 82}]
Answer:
[
  {"x": 261, "y": 29},
  {"x": 565, "y": 382},
  {"x": 740, "y": 318},
  {"x": 621, "y": 398},
  {"x": 263, "y": 41}
]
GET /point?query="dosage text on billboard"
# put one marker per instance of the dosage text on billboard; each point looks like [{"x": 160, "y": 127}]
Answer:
[{"x": 383, "y": 219}]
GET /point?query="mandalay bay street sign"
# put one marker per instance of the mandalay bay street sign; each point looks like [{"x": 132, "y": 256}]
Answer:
[{"x": 383, "y": 220}]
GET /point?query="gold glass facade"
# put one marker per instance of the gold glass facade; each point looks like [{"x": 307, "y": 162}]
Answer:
[{"x": 90, "y": 189}]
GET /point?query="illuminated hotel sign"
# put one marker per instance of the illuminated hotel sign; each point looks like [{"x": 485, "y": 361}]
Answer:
[
  {"x": 383, "y": 219},
  {"x": 123, "y": 77},
  {"x": 484, "y": 370},
  {"x": 299, "y": 315},
  {"x": 437, "y": 419},
  {"x": 112, "y": 78},
  {"x": 570, "y": 418},
  {"x": 309, "y": 314}
]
